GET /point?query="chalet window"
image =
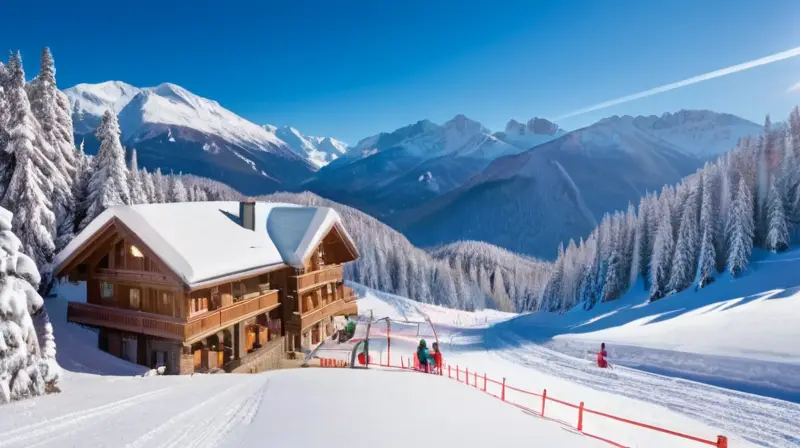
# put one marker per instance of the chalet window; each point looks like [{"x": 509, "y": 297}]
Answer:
[
  {"x": 106, "y": 290},
  {"x": 135, "y": 296},
  {"x": 166, "y": 303},
  {"x": 215, "y": 302}
]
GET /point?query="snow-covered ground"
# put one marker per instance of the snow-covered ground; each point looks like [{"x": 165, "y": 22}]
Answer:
[
  {"x": 107, "y": 402},
  {"x": 731, "y": 334}
]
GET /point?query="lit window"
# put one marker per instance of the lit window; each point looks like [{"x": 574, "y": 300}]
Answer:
[
  {"x": 136, "y": 252},
  {"x": 135, "y": 298}
]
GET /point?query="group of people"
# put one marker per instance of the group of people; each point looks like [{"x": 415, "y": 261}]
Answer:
[{"x": 429, "y": 362}]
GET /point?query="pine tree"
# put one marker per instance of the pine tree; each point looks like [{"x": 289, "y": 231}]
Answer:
[
  {"x": 740, "y": 230},
  {"x": 148, "y": 186},
  {"x": 778, "y": 230},
  {"x": 84, "y": 167},
  {"x": 135, "y": 182},
  {"x": 662, "y": 254},
  {"x": 685, "y": 258},
  {"x": 160, "y": 187},
  {"x": 177, "y": 192},
  {"x": 30, "y": 187},
  {"x": 499, "y": 291},
  {"x": 108, "y": 184},
  {"x": 26, "y": 367},
  {"x": 200, "y": 194},
  {"x": 47, "y": 104}
]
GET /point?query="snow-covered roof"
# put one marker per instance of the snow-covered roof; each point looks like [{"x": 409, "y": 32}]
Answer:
[{"x": 203, "y": 241}]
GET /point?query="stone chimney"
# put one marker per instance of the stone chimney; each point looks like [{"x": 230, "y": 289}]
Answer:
[{"x": 247, "y": 213}]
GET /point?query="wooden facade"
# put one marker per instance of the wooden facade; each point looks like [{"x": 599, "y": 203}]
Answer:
[{"x": 146, "y": 314}]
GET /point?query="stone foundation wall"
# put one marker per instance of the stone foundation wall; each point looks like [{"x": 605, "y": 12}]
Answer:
[{"x": 267, "y": 357}]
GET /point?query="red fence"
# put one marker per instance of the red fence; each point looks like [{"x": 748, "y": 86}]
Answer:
[{"x": 482, "y": 382}]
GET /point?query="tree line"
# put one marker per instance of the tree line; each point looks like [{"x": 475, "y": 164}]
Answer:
[{"x": 689, "y": 233}]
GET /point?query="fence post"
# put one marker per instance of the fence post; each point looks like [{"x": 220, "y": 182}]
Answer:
[
  {"x": 457, "y": 370},
  {"x": 449, "y": 375},
  {"x": 466, "y": 376},
  {"x": 503, "y": 391},
  {"x": 580, "y": 417},
  {"x": 402, "y": 363},
  {"x": 475, "y": 380},
  {"x": 722, "y": 442},
  {"x": 544, "y": 400},
  {"x": 484, "y": 381}
]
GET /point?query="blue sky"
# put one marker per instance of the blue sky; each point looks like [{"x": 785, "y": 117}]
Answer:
[{"x": 351, "y": 69}]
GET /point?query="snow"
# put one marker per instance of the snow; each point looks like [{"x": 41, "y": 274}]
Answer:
[
  {"x": 106, "y": 401},
  {"x": 318, "y": 150},
  {"x": 520, "y": 349},
  {"x": 95, "y": 99},
  {"x": 202, "y": 241}
]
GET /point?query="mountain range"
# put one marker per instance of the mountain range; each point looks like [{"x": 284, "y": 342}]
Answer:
[
  {"x": 524, "y": 188},
  {"x": 175, "y": 130}
]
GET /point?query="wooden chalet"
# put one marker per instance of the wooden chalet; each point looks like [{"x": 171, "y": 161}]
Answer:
[{"x": 200, "y": 286}]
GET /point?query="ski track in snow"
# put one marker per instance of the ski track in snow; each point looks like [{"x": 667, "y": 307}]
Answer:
[
  {"x": 214, "y": 414},
  {"x": 760, "y": 420},
  {"x": 48, "y": 430}
]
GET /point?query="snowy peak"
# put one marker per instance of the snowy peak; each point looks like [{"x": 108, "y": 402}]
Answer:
[
  {"x": 700, "y": 133},
  {"x": 89, "y": 101},
  {"x": 318, "y": 150},
  {"x": 528, "y": 135}
]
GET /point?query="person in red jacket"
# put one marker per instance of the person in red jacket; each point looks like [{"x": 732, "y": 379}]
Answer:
[
  {"x": 601, "y": 356},
  {"x": 437, "y": 359}
]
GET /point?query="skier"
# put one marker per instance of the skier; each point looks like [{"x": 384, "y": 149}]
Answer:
[
  {"x": 437, "y": 359},
  {"x": 601, "y": 356},
  {"x": 423, "y": 355}
]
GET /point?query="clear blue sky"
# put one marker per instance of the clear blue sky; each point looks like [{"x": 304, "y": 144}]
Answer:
[{"x": 353, "y": 68}]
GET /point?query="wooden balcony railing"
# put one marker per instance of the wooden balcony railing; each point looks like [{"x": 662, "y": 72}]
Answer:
[
  {"x": 223, "y": 317},
  {"x": 126, "y": 320},
  {"x": 336, "y": 308},
  {"x": 167, "y": 326},
  {"x": 329, "y": 274},
  {"x": 129, "y": 275}
]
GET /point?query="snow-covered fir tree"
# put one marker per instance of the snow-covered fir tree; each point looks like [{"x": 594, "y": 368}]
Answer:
[
  {"x": 160, "y": 187},
  {"x": 48, "y": 105},
  {"x": 108, "y": 182},
  {"x": 176, "y": 192},
  {"x": 26, "y": 368},
  {"x": 30, "y": 189},
  {"x": 135, "y": 186},
  {"x": 684, "y": 260},
  {"x": 740, "y": 230},
  {"x": 661, "y": 261},
  {"x": 148, "y": 186},
  {"x": 777, "y": 228}
]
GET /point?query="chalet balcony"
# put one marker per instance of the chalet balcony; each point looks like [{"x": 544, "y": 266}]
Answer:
[
  {"x": 335, "y": 308},
  {"x": 170, "y": 327},
  {"x": 318, "y": 278}
]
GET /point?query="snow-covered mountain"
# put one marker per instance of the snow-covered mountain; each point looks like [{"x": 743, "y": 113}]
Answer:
[
  {"x": 533, "y": 133},
  {"x": 176, "y": 130},
  {"x": 318, "y": 150},
  {"x": 562, "y": 188},
  {"x": 393, "y": 171}
]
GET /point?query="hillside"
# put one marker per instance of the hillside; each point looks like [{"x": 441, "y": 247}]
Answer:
[{"x": 753, "y": 402}]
